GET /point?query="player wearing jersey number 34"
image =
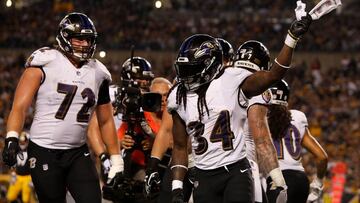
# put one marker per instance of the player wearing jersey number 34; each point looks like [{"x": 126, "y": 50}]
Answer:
[
  {"x": 68, "y": 85},
  {"x": 205, "y": 106}
]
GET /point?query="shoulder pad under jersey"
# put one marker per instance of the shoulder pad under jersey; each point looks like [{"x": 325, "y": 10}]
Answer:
[
  {"x": 101, "y": 68},
  {"x": 41, "y": 57},
  {"x": 234, "y": 77},
  {"x": 299, "y": 117}
]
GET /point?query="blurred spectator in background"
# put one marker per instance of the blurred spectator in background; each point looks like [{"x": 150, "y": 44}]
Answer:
[{"x": 20, "y": 182}]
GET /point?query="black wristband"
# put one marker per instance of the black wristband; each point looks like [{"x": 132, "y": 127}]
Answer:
[{"x": 103, "y": 156}]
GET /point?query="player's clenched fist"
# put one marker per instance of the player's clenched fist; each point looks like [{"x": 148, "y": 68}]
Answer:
[
  {"x": 299, "y": 27},
  {"x": 11, "y": 149}
]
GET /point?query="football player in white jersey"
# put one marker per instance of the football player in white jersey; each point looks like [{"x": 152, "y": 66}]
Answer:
[
  {"x": 67, "y": 85},
  {"x": 204, "y": 105},
  {"x": 163, "y": 141},
  {"x": 228, "y": 52},
  {"x": 259, "y": 147},
  {"x": 290, "y": 133}
]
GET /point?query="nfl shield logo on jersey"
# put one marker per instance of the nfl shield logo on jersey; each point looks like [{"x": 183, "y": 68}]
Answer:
[{"x": 45, "y": 167}]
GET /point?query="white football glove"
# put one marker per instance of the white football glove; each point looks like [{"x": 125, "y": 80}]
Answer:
[
  {"x": 277, "y": 192},
  {"x": 316, "y": 188},
  {"x": 300, "y": 10},
  {"x": 117, "y": 165}
]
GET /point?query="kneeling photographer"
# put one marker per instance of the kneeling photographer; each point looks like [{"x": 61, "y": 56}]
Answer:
[{"x": 142, "y": 111}]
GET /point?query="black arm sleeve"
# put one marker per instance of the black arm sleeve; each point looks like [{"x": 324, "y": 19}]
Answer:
[{"x": 104, "y": 96}]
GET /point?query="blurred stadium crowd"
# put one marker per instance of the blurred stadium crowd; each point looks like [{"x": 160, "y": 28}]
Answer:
[
  {"x": 329, "y": 96},
  {"x": 139, "y": 22}
]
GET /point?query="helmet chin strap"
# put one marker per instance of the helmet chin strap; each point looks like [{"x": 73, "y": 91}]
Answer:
[
  {"x": 195, "y": 86},
  {"x": 80, "y": 56},
  {"x": 75, "y": 58},
  {"x": 192, "y": 87}
]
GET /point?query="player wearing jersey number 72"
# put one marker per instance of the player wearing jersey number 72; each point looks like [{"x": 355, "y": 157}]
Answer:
[{"x": 69, "y": 86}]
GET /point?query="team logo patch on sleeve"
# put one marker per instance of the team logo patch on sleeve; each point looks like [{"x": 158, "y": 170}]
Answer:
[
  {"x": 29, "y": 60},
  {"x": 266, "y": 96}
]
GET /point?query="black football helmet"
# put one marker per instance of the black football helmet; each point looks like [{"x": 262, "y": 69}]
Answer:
[
  {"x": 228, "y": 51},
  {"x": 253, "y": 55},
  {"x": 280, "y": 93},
  {"x": 199, "y": 61},
  {"x": 79, "y": 26},
  {"x": 137, "y": 69}
]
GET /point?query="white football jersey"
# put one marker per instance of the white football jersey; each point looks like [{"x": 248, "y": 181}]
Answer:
[
  {"x": 65, "y": 100},
  {"x": 217, "y": 140},
  {"x": 289, "y": 148}
]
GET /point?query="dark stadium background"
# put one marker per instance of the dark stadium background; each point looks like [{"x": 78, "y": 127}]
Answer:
[{"x": 325, "y": 79}]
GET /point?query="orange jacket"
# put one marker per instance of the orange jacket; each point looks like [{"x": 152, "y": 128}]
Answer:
[{"x": 137, "y": 155}]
